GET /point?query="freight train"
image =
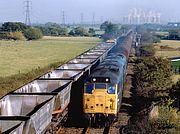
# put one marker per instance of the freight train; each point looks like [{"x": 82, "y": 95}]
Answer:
[
  {"x": 41, "y": 105},
  {"x": 103, "y": 88}
]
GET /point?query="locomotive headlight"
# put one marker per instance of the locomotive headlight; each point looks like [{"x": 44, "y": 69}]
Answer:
[
  {"x": 107, "y": 80},
  {"x": 111, "y": 89}
]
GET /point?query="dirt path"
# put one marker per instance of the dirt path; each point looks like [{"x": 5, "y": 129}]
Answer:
[{"x": 126, "y": 107}]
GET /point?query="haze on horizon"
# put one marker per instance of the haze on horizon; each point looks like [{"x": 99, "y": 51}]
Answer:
[{"x": 43, "y": 11}]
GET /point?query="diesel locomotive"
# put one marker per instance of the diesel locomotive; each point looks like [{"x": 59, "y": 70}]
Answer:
[{"x": 103, "y": 87}]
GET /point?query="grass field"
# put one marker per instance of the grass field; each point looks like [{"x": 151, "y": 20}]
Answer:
[
  {"x": 22, "y": 56},
  {"x": 162, "y": 33},
  {"x": 176, "y": 64},
  {"x": 173, "y": 45},
  {"x": 170, "y": 43},
  {"x": 168, "y": 53}
]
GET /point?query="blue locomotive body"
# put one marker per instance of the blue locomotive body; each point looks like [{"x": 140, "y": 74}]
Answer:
[{"x": 103, "y": 88}]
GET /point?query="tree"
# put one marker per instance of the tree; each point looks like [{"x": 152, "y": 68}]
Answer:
[
  {"x": 53, "y": 29},
  {"x": 109, "y": 28},
  {"x": 153, "y": 74},
  {"x": 33, "y": 34},
  {"x": 104, "y": 25},
  {"x": 147, "y": 50},
  {"x": 174, "y": 34},
  {"x": 80, "y": 31},
  {"x": 72, "y": 33},
  {"x": 175, "y": 93},
  {"x": 14, "y": 27},
  {"x": 45, "y": 30},
  {"x": 92, "y": 31},
  {"x": 147, "y": 36},
  {"x": 63, "y": 31},
  {"x": 50, "y": 24},
  {"x": 12, "y": 35}
]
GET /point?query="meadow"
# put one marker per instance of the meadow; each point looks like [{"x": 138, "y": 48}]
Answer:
[
  {"x": 23, "y": 56},
  {"x": 171, "y": 48},
  {"x": 23, "y": 61}
]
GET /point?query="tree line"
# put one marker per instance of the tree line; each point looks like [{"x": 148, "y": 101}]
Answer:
[
  {"x": 20, "y": 31},
  {"x": 53, "y": 29}
]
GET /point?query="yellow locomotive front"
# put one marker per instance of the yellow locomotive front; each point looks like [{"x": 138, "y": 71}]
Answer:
[{"x": 100, "y": 98}]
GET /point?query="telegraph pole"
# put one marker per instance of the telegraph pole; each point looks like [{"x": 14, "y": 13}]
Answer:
[{"x": 28, "y": 5}]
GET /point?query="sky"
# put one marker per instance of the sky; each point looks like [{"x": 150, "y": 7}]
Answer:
[{"x": 43, "y": 11}]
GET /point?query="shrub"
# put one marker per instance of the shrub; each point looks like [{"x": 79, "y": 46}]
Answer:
[
  {"x": 80, "y": 31},
  {"x": 174, "y": 93},
  {"x": 91, "y": 31},
  {"x": 147, "y": 50},
  {"x": 14, "y": 27},
  {"x": 63, "y": 31},
  {"x": 72, "y": 33},
  {"x": 153, "y": 74},
  {"x": 17, "y": 35},
  {"x": 33, "y": 34},
  {"x": 12, "y": 35},
  {"x": 168, "y": 120}
]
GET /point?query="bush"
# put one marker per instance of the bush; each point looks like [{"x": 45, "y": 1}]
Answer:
[
  {"x": 17, "y": 35},
  {"x": 168, "y": 120},
  {"x": 91, "y": 31},
  {"x": 33, "y": 34},
  {"x": 12, "y": 35},
  {"x": 14, "y": 27},
  {"x": 72, "y": 33},
  {"x": 3, "y": 35},
  {"x": 174, "y": 93},
  {"x": 147, "y": 50},
  {"x": 153, "y": 74},
  {"x": 80, "y": 31},
  {"x": 63, "y": 31}
]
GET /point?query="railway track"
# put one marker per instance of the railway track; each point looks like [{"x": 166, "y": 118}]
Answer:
[
  {"x": 87, "y": 130},
  {"x": 57, "y": 122},
  {"x": 97, "y": 130}
]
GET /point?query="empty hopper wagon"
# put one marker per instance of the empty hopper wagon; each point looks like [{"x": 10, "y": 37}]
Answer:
[
  {"x": 26, "y": 113},
  {"x": 11, "y": 126}
]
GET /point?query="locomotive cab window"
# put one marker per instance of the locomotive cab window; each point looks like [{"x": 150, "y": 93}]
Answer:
[
  {"x": 89, "y": 87},
  {"x": 100, "y": 86},
  {"x": 111, "y": 89}
]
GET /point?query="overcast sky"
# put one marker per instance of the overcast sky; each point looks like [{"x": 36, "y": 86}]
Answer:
[{"x": 51, "y": 10}]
